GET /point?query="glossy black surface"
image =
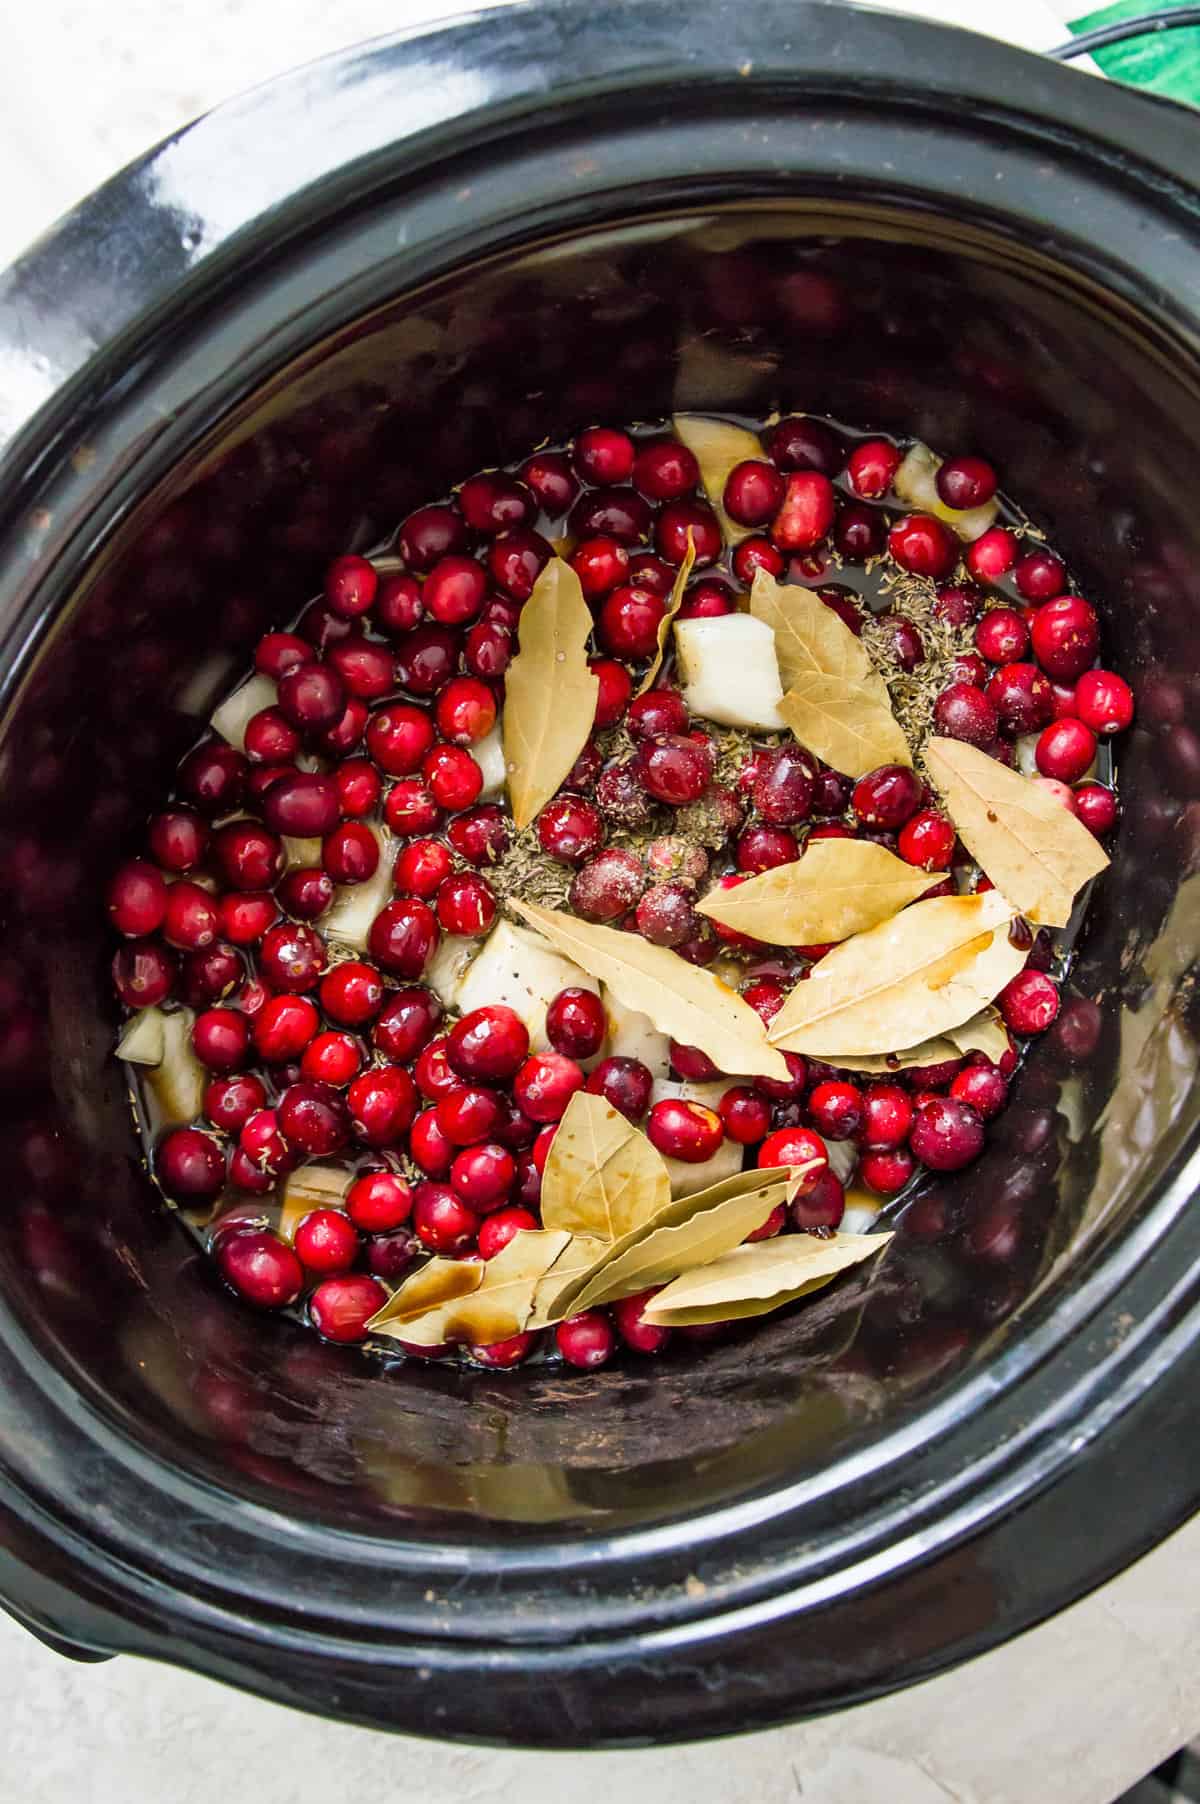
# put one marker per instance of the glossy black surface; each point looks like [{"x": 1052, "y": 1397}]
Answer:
[{"x": 272, "y": 337}]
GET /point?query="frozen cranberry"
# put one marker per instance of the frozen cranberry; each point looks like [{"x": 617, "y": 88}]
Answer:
[
  {"x": 859, "y": 533},
  {"x": 293, "y": 957},
  {"x": 426, "y": 659},
  {"x": 792, "y": 1146},
  {"x": 466, "y": 905},
  {"x": 516, "y": 559},
  {"x": 283, "y": 1028},
  {"x": 680, "y": 521},
  {"x": 871, "y": 467},
  {"x": 607, "y": 886},
  {"x": 754, "y": 493},
  {"x": 379, "y": 1201},
  {"x": 639, "y": 1335},
  {"x": 453, "y": 777},
  {"x": 277, "y": 653},
  {"x": 454, "y": 591},
  {"x": 1065, "y": 750},
  {"x": 923, "y": 546},
  {"x": 189, "y": 919},
  {"x": 429, "y": 1147},
  {"x": 806, "y": 512},
  {"x": 665, "y": 470},
  {"x": 802, "y": 443},
  {"x": 946, "y": 1134},
  {"x": 625, "y": 1083},
  {"x": 887, "y": 1117},
  {"x": 927, "y": 841},
  {"x": 341, "y": 1307},
  {"x": 484, "y": 1175},
  {"x": 221, "y": 1038},
  {"x": 837, "y": 1110},
  {"x": 1002, "y": 636},
  {"x": 382, "y": 1105},
  {"x": 1096, "y": 807},
  {"x": 481, "y": 835},
  {"x": 177, "y": 839},
  {"x": 1029, "y": 1003},
  {"x": 1066, "y": 637},
  {"x": 410, "y": 808},
  {"x": 137, "y": 900},
  {"x": 673, "y": 769},
  {"x": 407, "y": 1023},
  {"x": 442, "y": 1220},
  {"x": 429, "y": 534},
  {"x": 189, "y": 1165},
  {"x": 313, "y": 1118},
  {"x": 260, "y": 1268},
  {"x": 545, "y": 1085},
  {"x": 570, "y": 830},
  {"x": 603, "y": 456},
  {"x": 326, "y": 1241},
  {"x": 1040, "y": 576},
  {"x": 586, "y": 1341},
  {"x": 351, "y": 993},
  {"x": 229, "y": 1102},
  {"x": 332, "y": 1058},
  {"x": 888, "y": 1171},
  {"x": 576, "y": 1023},
  {"x": 964, "y": 712},
  {"x": 666, "y": 916},
  {"x": 887, "y": 797},
  {"x": 745, "y": 1116},
  {"x": 547, "y": 475},
  {"x": 1104, "y": 701},
  {"x": 983, "y": 1088},
  {"x": 1021, "y": 697},
  {"x": 820, "y": 1204},
  {"x": 628, "y": 622},
  {"x": 212, "y": 777},
  {"x": 403, "y": 936},
  {"x": 304, "y": 806}
]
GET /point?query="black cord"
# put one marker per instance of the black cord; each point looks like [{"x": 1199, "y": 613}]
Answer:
[{"x": 1168, "y": 18}]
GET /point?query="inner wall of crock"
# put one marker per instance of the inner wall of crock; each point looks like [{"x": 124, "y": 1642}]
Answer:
[{"x": 903, "y": 323}]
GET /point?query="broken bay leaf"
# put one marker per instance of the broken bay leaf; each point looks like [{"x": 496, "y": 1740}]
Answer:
[
  {"x": 718, "y": 447},
  {"x": 674, "y": 603},
  {"x": 684, "y": 1001},
  {"x": 928, "y": 969},
  {"x": 810, "y": 639},
  {"x": 549, "y": 692},
  {"x": 838, "y": 887},
  {"x": 1030, "y": 846},
  {"x": 602, "y": 1176},
  {"x": 845, "y": 724},
  {"x": 496, "y": 1307},
  {"x": 754, "y": 1279},
  {"x": 582, "y": 1253}
]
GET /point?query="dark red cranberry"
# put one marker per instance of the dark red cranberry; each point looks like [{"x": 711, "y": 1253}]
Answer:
[
  {"x": 221, "y": 1038},
  {"x": 407, "y": 1023},
  {"x": 442, "y": 1220},
  {"x": 137, "y": 899},
  {"x": 260, "y": 1268},
  {"x": 625, "y": 1083},
  {"x": 964, "y": 482},
  {"x": 628, "y": 622},
  {"x": 248, "y": 856},
  {"x": 1096, "y": 807},
  {"x": 547, "y": 475},
  {"x": 322, "y": 628},
  {"x": 398, "y": 605},
  {"x": 616, "y": 687},
  {"x": 784, "y": 1089},
  {"x": 608, "y": 885},
  {"x": 831, "y": 792},
  {"x": 1040, "y": 576},
  {"x": 1029, "y": 1003},
  {"x": 403, "y": 936},
  {"x": 583, "y": 773},
  {"x": 190, "y": 920},
  {"x": 481, "y": 835},
  {"x": 586, "y": 1341},
  {"x": 340, "y": 1308},
  {"x": 763, "y": 849},
  {"x": 489, "y": 1045},
  {"x": 615, "y": 513},
  {"x": 466, "y": 905},
  {"x": 283, "y": 1027},
  {"x": 392, "y": 1256},
  {"x": 684, "y": 521},
  {"x": 312, "y": 697},
  {"x": 263, "y": 1144},
  {"x": 1002, "y": 636},
  {"x": 820, "y": 1204},
  {"x": 350, "y": 853},
  {"x": 177, "y": 839},
  {"x": 802, "y": 443},
  {"x": 483, "y": 1175},
  {"x": 576, "y": 1023},
  {"x": 494, "y": 502},
  {"x": 429, "y": 1147},
  {"x": 837, "y": 1110},
  {"x": 426, "y": 659},
  {"x": 271, "y": 738},
  {"x": 229, "y": 1102},
  {"x": 709, "y": 599},
  {"x": 313, "y": 1118},
  {"x": 887, "y": 797},
  {"x": 382, "y": 1104},
  {"x": 946, "y": 1134},
  {"x": 665, "y": 470},
  {"x": 350, "y": 585},
  {"x": 639, "y": 1335},
  {"x": 754, "y": 493},
  {"x": 488, "y": 650},
  {"x": 993, "y": 554},
  {"x": 304, "y": 806},
  {"x": 871, "y": 467},
  {"x": 964, "y": 712},
  {"x": 570, "y": 830},
  {"x": 212, "y": 778},
  {"x": 666, "y": 915},
  {"x": 982, "y": 1088},
  {"x": 1021, "y": 697},
  {"x": 859, "y": 533},
  {"x": 927, "y": 841},
  {"x": 545, "y": 1085},
  {"x": 429, "y": 534},
  {"x": 366, "y": 671},
  {"x": 1104, "y": 701},
  {"x": 277, "y": 653},
  {"x": 603, "y": 456},
  {"x": 649, "y": 571},
  {"x": 305, "y": 892},
  {"x": 190, "y": 1165},
  {"x": 957, "y": 606},
  {"x": 657, "y": 712},
  {"x": 783, "y": 785},
  {"x": 755, "y": 554},
  {"x": 348, "y": 732},
  {"x": 673, "y": 769},
  {"x": 410, "y": 808},
  {"x": 923, "y": 546},
  {"x": 379, "y": 1201},
  {"x": 745, "y": 1116},
  {"x": 516, "y": 559},
  {"x": 293, "y": 957},
  {"x": 684, "y": 1130}
]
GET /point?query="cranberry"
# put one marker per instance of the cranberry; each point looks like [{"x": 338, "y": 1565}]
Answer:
[
  {"x": 392, "y": 1256},
  {"x": 212, "y": 778},
  {"x": 745, "y": 1116},
  {"x": 454, "y": 591},
  {"x": 784, "y": 1089},
  {"x": 545, "y": 1085},
  {"x": 501, "y": 1227},
  {"x": 684, "y": 1130},
  {"x": 586, "y": 1341},
  {"x": 964, "y": 712},
  {"x": 469, "y": 1114},
  {"x": 488, "y": 650},
  {"x": 322, "y": 628},
  {"x": 946, "y": 1134},
  {"x": 332, "y": 1058},
  {"x": 774, "y": 1224},
  {"x": 755, "y": 554},
  {"x": 639, "y": 1335},
  {"x": 1104, "y": 701},
  {"x": 1066, "y": 637},
  {"x": 442, "y": 1220},
  {"x": 617, "y": 513},
  {"x": 673, "y": 769},
  {"x": 494, "y": 501},
  {"x": 871, "y": 467},
  {"x": 923, "y": 546},
  {"x": 489, "y": 1045},
  {"x": 624, "y": 1083},
  {"x": 466, "y": 905},
  {"x": 1040, "y": 576},
  {"x": 137, "y": 900},
  {"x": 260, "y": 1268},
  {"x": 189, "y": 920},
  {"x": 603, "y": 456},
  {"x": 312, "y": 697},
  {"x": 887, "y": 797},
  {"x": 407, "y": 1024},
  {"x": 305, "y": 892},
  {"x": 221, "y": 1038},
  {"x": 501, "y": 1355},
  {"x": 792, "y": 1146},
  {"x": 886, "y": 1172},
  {"x": 190, "y": 1165},
  {"x": 821, "y": 1203},
  {"x": 367, "y": 671},
  {"x": 270, "y": 738},
  {"x": 484, "y": 1175},
  {"x": 429, "y": 534},
  {"x": 600, "y": 564},
  {"x": 1021, "y": 697},
  {"x": 927, "y": 841},
  {"x": 957, "y": 606},
  {"x": 1029, "y": 1003},
  {"x": 435, "y": 1075},
  {"x": 177, "y": 838},
  {"x": 277, "y": 653},
  {"x": 340, "y": 1308},
  {"x": 753, "y": 493},
  {"x": 690, "y": 1063},
  {"x": 766, "y": 996},
  {"x": 292, "y": 958},
  {"x": 379, "y": 1201},
  {"x": 261, "y": 1142},
  {"x": 283, "y": 1028},
  {"x": 466, "y": 710},
  {"x": 426, "y": 659},
  {"x": 831, "y": 792},
  {"x": 964, "y": 482},
  {"x": 783, "y": 785},
  {"x": 674, "y": 857},
  {"x": 429, "y": 1147},
  {"x": 1002, "y": 636},
  {"x": 382, "y": 1104},
  {"x": 570, "y": 830},
  {"x": 802, "y": 443},
  {"x": 243, "y": 919},
  {"x": 762, "y": 849},
  {"x": 350, "y": 585},
  {"x": 453, "y": 777},
  {"x": 612, "y": 697},
  {"x": 681, "y": 521},
  {"x": 576, "y": 1023},
  {"x": 1065, "y": 750},
  {"x": 410, "y": 808},
  {"x": 229, "y": 1102},
  {"x": 326, "y": 1241},
  {"x": 709, "y": 599},
  {"x": 993, "y": 554},
  {"x": 887, "y": 1117},
  {"x": 516, "y": 559},
  {"x": 666, "y": 916},
  {"x": 313, "y": 1118},
  {"x": 628, "y": 622},
  {"x": 1096, "y": 807},
  {"x": 351, "y": 993},
  {"x": 304, "y": 806},
  {"x": 806, "y": 512},
  {"x": 481, "y": 836},
  {"x": 665, "y": 470},
  {"x": 247, "y": 855},
  {"x": 547, "y": 475},
  {"x": 648, "y": 571},
  {"x": 607, "y": 886},
  {"x": 837, "y": 1110},
  {"x": 657, "y": 712},
  {"x": 403, "y": 936},
  {"x": 422, "y": 867},
  {"x": 982, "y": 1088}
]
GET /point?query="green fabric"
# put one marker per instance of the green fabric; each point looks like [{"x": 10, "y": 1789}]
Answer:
[{"x": 1166, "y": 62}]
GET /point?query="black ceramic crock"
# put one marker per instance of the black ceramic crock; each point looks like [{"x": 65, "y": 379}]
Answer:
[{"x": 284, "y": 327}]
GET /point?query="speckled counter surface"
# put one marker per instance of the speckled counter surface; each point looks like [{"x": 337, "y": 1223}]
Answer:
[{"x": 1073, "y": 1713}]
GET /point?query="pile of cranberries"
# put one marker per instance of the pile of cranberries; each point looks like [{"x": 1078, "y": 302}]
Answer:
[{"x": 382, "y": 690}]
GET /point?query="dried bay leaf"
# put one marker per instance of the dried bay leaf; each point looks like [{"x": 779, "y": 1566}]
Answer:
[
  {"x": 810, "y": 639},
  {"x": 985, "y": 1033},
  {"x": 549, "y": 692},
  {"x": 1029, "y": 845},
  {"x": 684, "y": 1001},
  {"x": 753, "y": 1280},
  {"x": 837, "y": 888},
  {"x": 845, "y": 724},
  {"x": 437, "y": 1286},
  {"x": 719, "y": 447},
  {"x": 929, "y": 969},
  {"x": 930, "y": 1052},
  {"x": 602, "y": 1176},
  {"x": 496, "y": 1306},
  {"x": 582, "y": 1254},
  {"x": 799, "y": 1175},
  {"x": 674, "y": 603}
]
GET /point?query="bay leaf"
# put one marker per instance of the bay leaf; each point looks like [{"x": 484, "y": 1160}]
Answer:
[
  {"x": 845, "y": 724},
  {"x": 753, "y": 1280},
  {"x": 496, "y": 1307},
  {"x": 838, "y": 887},
  {"x": 810, "y": 639},
  {"x": 719, "y": 447},
  {"x": 1028, "y": 844},
  {"x": 930, "y": 1052},
  {"x": 674, "y": 602},
  {"x": 582, "y": 1253},
  {"x": 602, "y": 1176},
  {"x": 985, "y": 1033},
  {"x": 690, "y": 1231},
  {"x": 684, "y": 1001},
  {"x": 549, "y": 692},
  {"x": 930, "y": 968},
  {"x": 433, "y": 1289}
]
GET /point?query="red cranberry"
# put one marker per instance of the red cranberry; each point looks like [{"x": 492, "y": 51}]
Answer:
[
  {"x": 484, "y": 1175},
  {"x": 766, "y": 996},
  {"x": 946, "y": 1134},
  {"x": 586, "y": 1341},
  {"x": 264, "y": 1146},
  {"x": 410, "y": 808},
  {"x": 434, "y": 1074},
  {"x": 583, "y": 773},
  {"x": 792, "y": 1146},
  {"x": 501, "y": 1355},
  {"x": 887, "y": 797},
  {"x": 600, "y": 564},
  {"x": 753, "y": 493},
  {"x": 247, "y": 855},
  {"x": 1029, "y": 1003},
  {"x": 957, "y": 606},
  {"x": 429, "y": 534},
  {"x": 745, "y": 1116},
  {"x": 603, "y": 456},
  {"x": 1096, "y": 807},
  {"x": 657, "y": 712},
  {"x": 326, "y": 1241},
  {"x": 392, "y": 1256},
  {"x": 382, "y": 1104},
  {"x": 784, "y": 1089},
  {"x": 442, "y": 1220},
  {"x": 665, "y": 470},
  {"x": 964, "y": 712},
  {"x": 1040, "y": 576},
  {"x": 993, "y": 554},
  {"x": 684, "y": 1130},
  {"x": 422, "y": 867},
  {"x": 221, "y": 1038},
  {"x": 493, "y": 502},
  {"x": 763, "y": 848},
  {"x": 639, "y": 1335},
  {"x": 624, "y": 1083},
  {"x": 886, "y": 1172},
  {"x": 1021, "y": 697},
  {"x": 774, "y": 1224},
  {"x": 403, "y": 936},
  {"x": 982, "y": 1088},
  {"x": 454, "y": 591},
  {"x": 516, "y": 559},
  {"x": 831, "y": 792},
  {"x": 616, "y": 687},
  {"x": 783, "y": 785},
  {"x": 616, "y": 513},
  {"x": 923, "y": 546},
  {"x": 673, "y": 769},
  {"x": 407, "y": 1024},
  {"x": 481, "y": 836},
  {"x": 229, "y": 1102},
  {"x": 351, "y": 993},
  {"x": 379, "y": 1201},
  {"x": 426, "y": 659},
  {"x": 837, "y": 1110},
  {"x": 1066, "y": 637},
  {"x": 547, "y": 475},
  {"x": 680, "y": 521},
  {"x": 806, "y": 512},
  {"x": 709, "y": 599},
  {"x": 964, "y": 482},
  {"x": 466, "y": 711},
  {"x": 277, "y": 653},
  {"x": 1104, "y": 701},
  {"x": 488, "y": 650},
  {"x": 545, "y": 1085},
  {"x": 887, "y": 1117},
  {"x": 469, "y": 1114},
  {"x": 260, "y": 1268},
  {"x": 190, "y": 920},
  {"x": 498, "y": 1229},
  {"x": 332, "y": 1058},
  {"x": 607, "y": 886},
  {"x": 802, "y": 443},
  {"x": 212, "y": 777},
  {"x": 755, "y": 554},
  {"x": 137, "y": 899},
  {"x": 570, "y": 830},
  {"x": 489, "y": 1045},
  {"x": 429, "y": 1147},
  {"x": 466, "y": 905},
  {"x": 649, "y": 571},
  {"x": 305, "y": 892},
  {"x": 283, "y": 1028},
  {"x": 322, "y": 628},
  {"x": 312, "y": 697},
  {"x": 927, "y": 841},
  {"x": 305, "y": 806},
  {"x": 350, "y": 585},
  {"x": 576, "y": 1023},
  {"x": 690, "y": 1063},
  {"x": 243, "y": 919},
  {"x": 271, "y": 738},
  {"x": 366, "y": 671},
  {"x": 628, "y": 622},
  {"x": 859, "y": 533},
  {"x": 453, "y": 777},
  {"x": 821, "y": 1203},
  {"x": 177, "y": 838},
  {"x": 313, "y": 1118},
  {"x": 1002, "y": 636},
  {"x": 292, "y": 958},
  {"x": 190, "y": 1165},
  {"x": 1065, "y": 750},
  {"x": 665, "y": 916},
  {"x": 871, "y": 467},
  {"x": 341, "y": 1307}
]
